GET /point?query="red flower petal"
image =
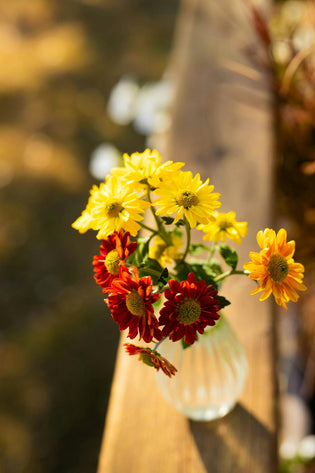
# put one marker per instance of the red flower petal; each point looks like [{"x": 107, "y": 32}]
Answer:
[
  {"x": 182, "y": 320},
  {"x": 120, "y": 243},
  {"x": 130, "y": 303}
]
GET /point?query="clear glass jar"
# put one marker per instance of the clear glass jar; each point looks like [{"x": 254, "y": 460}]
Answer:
[{"x": 211, "y": 373}]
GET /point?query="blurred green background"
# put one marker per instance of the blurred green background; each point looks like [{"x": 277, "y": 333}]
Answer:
[{"x": 59, "y": 61}]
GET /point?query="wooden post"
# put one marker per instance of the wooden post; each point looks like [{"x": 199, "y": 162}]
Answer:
[{"x": 222, "y": 128}]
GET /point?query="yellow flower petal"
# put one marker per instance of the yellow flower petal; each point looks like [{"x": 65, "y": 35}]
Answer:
[
  {"x": 112, "y": 206},
  {"x": 185, "y": 195},
  {"x": 274, "y": 268},
  {"x": 222, "y": 226}
]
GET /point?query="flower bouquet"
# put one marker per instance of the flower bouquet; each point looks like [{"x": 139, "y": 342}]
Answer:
[{"x": 156, "y": 287}]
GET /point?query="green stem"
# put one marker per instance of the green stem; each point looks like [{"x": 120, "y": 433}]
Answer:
[
  {"x": 156, "y": 218},
  {"x": 161, "y": 230},
  {"x": 151, "y": 272},
  {"x": 188, "y": 237},
  {"x": 211, "y": 252},
  {"x": 222, "y": 276},
  {"x": 148, "y": 228},
  {"x": 158, "y": 343}
]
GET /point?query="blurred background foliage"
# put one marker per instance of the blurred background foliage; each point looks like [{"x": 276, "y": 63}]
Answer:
[
  {"x": 287, "y": 56},
  {"x": 59, "y": 61}
]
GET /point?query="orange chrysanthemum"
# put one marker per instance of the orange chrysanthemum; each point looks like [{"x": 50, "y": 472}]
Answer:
[
  {"x": 151, "y": 358},
  {"x": 130, "y": 300},
  {"x": 113, "y": 253},
  {"x": 274, "y": 268}
]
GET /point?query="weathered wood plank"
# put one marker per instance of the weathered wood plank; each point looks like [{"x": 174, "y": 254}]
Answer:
[{"x": 222, "y": 128}]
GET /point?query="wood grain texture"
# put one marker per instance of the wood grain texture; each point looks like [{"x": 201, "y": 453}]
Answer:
[{"x": 222, "y": 128}]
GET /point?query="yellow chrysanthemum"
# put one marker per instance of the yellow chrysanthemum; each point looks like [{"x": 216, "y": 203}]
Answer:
[
  {"x": 112, "y": 206},
  {"x": 163, "y": 253},
  {"x": 187, "y": 197},
  {"x": 223, "y": 226},
  {"x": 274, "y": 268},
  {"x": 146, "y": 166}
]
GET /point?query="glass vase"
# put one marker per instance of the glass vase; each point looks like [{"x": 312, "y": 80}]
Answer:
[{"x": 211, "y": 373}]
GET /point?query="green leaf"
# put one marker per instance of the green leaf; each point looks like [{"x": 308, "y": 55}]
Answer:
[
  {"x": 197, "y": 249},
  {"x": 182, "y": 270},
  {"x": 157, "y": 305},
  {"x": 229, "y": 255},
  {"x": 222, "y": 301},
  {"x": 168, "y": 220},
  {"x": 214, "y": 268},
  {"x": 150, "y": 267},
  {"x": 177, "y": 232},
  {"x": 186, "y": 345},
  {"x": 201, "y": 271},
  {"x": 163, "y": 279},
  {"x": 141, "y": 254}
]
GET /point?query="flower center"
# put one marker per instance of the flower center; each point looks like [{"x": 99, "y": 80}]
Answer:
[
  {"x": 188, "y": 311},
  {"x": 223, "y": 223},
  {"x": 135, "y": 304},
  {"x": 112, "y": 209},
  {"x": 146, "y": 358},
  {"x": 187, "y": 199},
  {"x": 278, "y": 267},
  {"x": 112, "y": 261}
]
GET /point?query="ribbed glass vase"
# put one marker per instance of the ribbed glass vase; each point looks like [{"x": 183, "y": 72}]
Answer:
[{"x": 211, "y": 373}]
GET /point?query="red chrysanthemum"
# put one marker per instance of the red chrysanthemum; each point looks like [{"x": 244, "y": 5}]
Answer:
[
  {"x": 113, "y": 253},
  {"x": 190, "y": 307},
  {"x": 151, "y": 358},
  {"x": 130, "y": 300}
]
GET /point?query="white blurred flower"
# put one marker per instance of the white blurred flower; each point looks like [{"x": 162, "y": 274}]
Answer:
[
  {"x": 103, "y": 159},
  {"x": 121, "y": 104},
  {"x": 281, "y": 52},
  {"x": 304, "y": 38},
  {"x": 307, "y": 447},
  {"x": 151, "y": 108},
  {"x": 288, "y": 449},
  {"x": 147, "y": 106}
]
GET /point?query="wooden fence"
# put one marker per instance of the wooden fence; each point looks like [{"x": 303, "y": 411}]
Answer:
[{"x": 222, "y": 128}]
